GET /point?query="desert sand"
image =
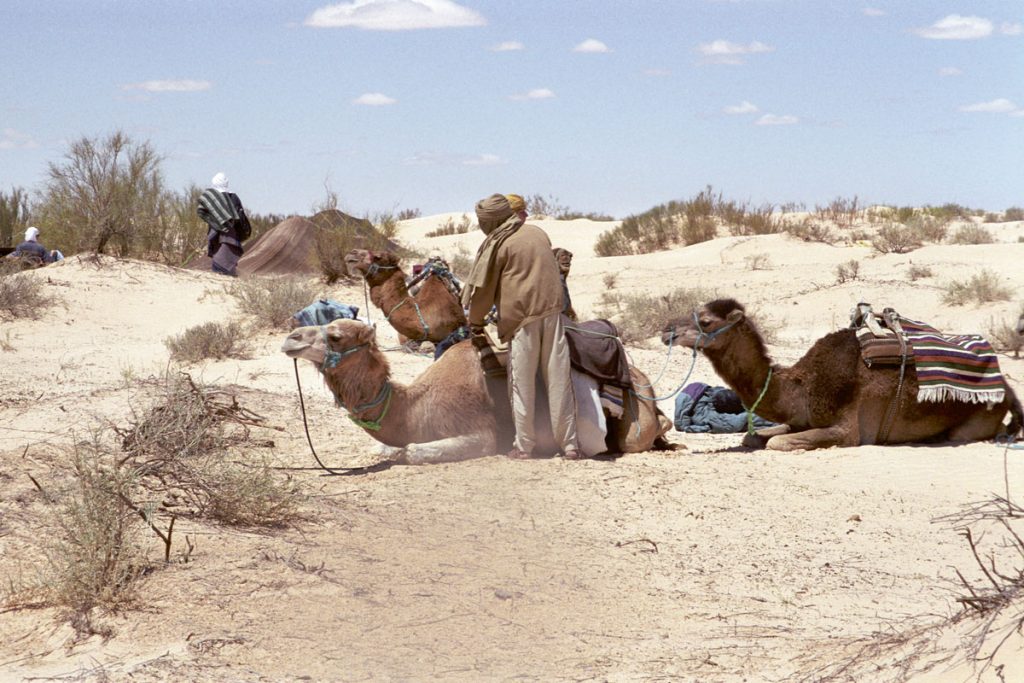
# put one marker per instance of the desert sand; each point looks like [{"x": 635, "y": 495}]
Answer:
[{"x": 707, "y": 563}]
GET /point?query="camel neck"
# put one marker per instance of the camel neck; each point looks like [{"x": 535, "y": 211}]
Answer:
[
  {"x": 743, "y": 362},
  {"x": 390, "y": 292}
]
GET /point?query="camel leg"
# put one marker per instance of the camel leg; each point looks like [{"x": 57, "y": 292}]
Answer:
[
  {"x": 836, "y": 435},
  {"x": 451, "y": 449},
  {"x": 759, "y": 438},
  {"x": 979, "y": 427}
]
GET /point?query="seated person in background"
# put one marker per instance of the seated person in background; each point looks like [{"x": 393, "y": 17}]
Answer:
[{"x": 31, "y": 251}]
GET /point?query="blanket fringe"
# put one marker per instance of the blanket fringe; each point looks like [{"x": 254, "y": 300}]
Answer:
[{"x": 942, "y": 394}]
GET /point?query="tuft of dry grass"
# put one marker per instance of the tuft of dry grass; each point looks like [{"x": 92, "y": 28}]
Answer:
[
  {"x": 450, "y": 227},
  {"x": 640, "y": 316},
  {"x": 1004, "y": 337},
  {"x": 972, "y": 234},
  {"x": 209, "y": 340},
  {"x": 272, "y": 300},
  {"x": 980, "y": 288},
  {"x": 847, "y": 271},
  {"x": 916, "y": 273},
  {"x": 22, "y": 296},
  {"x": 758, "y": 262}
]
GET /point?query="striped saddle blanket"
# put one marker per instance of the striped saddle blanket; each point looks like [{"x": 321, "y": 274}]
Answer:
[{"x": 958, "y": 368}]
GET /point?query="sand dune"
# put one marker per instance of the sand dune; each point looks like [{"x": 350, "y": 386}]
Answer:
[{"x": 708, "y": 563}]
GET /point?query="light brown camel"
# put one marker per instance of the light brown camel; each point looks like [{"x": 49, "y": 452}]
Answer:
[
  {"x": 445, "y": 414},
  {"x": 829, "y": 397},
  {"x": 431, "y": 315}
]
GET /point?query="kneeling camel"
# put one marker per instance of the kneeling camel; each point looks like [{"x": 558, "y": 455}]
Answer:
[
  {"x": 445, "y": 414},
  {"x": 830, "y": 397}
]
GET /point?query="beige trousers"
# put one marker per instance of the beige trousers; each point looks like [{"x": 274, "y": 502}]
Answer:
[{"x": 539, "y": 348}]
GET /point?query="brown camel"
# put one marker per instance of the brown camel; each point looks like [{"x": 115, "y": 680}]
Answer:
[
  {"x": 445, "y": 414},
  {"x": 829, "y": 397},
  {"x": 431, "y": 315}
]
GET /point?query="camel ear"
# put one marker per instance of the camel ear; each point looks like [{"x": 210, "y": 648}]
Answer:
[
  {"x": 366, "y": 334},
  {"x": 734, "y": 316}
]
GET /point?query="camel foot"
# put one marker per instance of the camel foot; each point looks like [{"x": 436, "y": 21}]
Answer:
[
  {"x": 391, "y": 454},
  {"x": 755, "y": 441}
]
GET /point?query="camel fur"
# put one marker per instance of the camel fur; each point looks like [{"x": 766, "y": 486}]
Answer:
[
  {"x": 830, "y": 397},
  {"x": 431, "y": 314},
  {"x": 446, "y": 414}
]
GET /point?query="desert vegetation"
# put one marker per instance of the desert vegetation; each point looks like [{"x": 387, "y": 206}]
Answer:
[
  {"x": 21, "y": 295},
  {"x": 641, "y": 316},
  {"x": 450, "y": 227},
  {"x": 980, "y": 288},
  {"x": 208, "y": 340},
  {"x": 271, "y": 301}
]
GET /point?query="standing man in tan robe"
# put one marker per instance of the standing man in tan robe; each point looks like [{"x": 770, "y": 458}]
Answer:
[{"x": 516, "y": 271}]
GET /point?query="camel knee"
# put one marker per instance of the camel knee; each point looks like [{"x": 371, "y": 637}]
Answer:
[
  {"x": 811, "y": 439},
  {"x": 450, "y": 450}
]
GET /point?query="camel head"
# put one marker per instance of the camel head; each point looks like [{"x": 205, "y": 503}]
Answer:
[
  {"x": 564, "y": 258},
  {"x": 706, "y": 327},
  {"x": 317, "y": 343},
  {"x": 374, "y": 266}
]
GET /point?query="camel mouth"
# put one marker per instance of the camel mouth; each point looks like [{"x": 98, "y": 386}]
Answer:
[
  {"x": 356, "y": 261},
  {"x": 294, "y": 345}
]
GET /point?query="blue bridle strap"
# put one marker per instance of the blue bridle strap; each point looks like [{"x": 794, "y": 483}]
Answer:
[{"x": 331, "y": 357}]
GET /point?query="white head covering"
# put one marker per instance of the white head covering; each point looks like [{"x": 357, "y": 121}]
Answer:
[
  {"x": 220, "y": 182},
  {"x": 31, "y": 234}
]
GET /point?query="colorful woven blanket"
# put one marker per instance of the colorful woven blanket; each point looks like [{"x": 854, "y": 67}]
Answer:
[{"x": 960, "y": 368}]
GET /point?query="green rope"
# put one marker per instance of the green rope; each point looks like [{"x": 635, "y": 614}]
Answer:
[
  {"x": 374, "y": 425},
  {"x": 750, "y": 412}
]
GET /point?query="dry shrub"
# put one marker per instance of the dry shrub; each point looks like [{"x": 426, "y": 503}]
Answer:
[
  {"x": 972, "y": 234},
  {"x": 895, "y": 238},
  {"x": 209, "y": 340},
  {"x": 461, "y": 262},
  {"x": 450, "y": 227},
  {"x": 928, "y": 228},
  {"x": 980, "y": 288},
  {"x": 916, "y": 273},
  {"x": 1014, "y": 213},
  {"x": 1004, "y": 337},
  {"x": 841, "y": 212},
  {"x": 847, "y": 271},
  {"x": 639, "y": 316},
  {"x": 811, "y": 230},
  {"x": 758, "y": 262},
  {"x": 180, "y": 449},
  {"x": 22, "y": 296},
  {"x": 272, "y": 300},
  {"x": 97, "y": 556}
]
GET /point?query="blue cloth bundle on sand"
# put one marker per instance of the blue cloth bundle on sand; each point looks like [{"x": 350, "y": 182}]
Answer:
[{"x": 323, "y": 311}]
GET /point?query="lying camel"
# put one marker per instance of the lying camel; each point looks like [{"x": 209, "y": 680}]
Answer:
[
  {"x": 431, "y": 315},
  {"x": 445, "y": 414},
  {"x": 829, "y": 397}
]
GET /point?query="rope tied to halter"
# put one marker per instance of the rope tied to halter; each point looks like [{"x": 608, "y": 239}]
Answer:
[
  {"x": 331, "y": 360},
  {"x": 753, "y": 408},
  {"x": 419, "y": 314}
]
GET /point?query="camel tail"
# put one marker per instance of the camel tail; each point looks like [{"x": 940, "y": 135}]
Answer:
[{"x": 1016, "y": 414}]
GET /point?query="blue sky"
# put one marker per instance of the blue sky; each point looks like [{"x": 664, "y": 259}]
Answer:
[{"x": 607, "y": 105}]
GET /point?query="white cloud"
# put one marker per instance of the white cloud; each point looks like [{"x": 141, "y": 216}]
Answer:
[
  {"x": 508, "y": 46},
  {"x": 13, "y": 139},
  {"x": 394, "y": 15},
  {"x": 535, "y": 94},
  {"x": 483, "y": 160},
  {"x": 950, "y": 71},
  {"x": 169, "y": 86},
  {"x": 873, "y": 12},
  {"x": 1008, "y": 29},
  {"x": 743, "y": 107},
  {"x": 997, "y": 106},
  {"x": 725, "y": 52},
  {"x": 374, "y": 99},
  {"x": 776, "y": 120},
  {"x": 591, "y": 45},
  {"x": 956, "y": 27},
  {"x": 444, "y": 159}
]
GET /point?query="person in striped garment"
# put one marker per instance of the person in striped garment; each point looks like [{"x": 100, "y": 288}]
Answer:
[{"x": 229, "y": 226}]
